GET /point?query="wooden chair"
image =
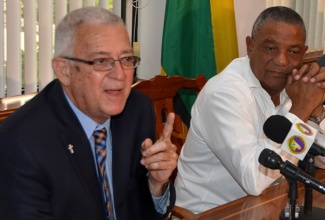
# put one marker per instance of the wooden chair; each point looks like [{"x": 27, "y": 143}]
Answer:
[
  {"x": 312, "y": 55},
  {"x": 10, "y": 104},
  {"x": 181, "y": 214},
  {"x": 162, "y": 90}
]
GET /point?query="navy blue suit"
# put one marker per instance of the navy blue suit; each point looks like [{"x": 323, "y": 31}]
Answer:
[{"x": 40, "y": 179}]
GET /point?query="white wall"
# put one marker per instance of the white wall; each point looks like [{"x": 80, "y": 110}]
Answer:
[
  {"x": 151, "y": 21},
  {"x": 246, "y": 12},
  {"x": 150, "y": 29}
]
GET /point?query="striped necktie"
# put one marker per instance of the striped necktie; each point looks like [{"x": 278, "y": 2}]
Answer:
[{"x": 100, "y": 137}]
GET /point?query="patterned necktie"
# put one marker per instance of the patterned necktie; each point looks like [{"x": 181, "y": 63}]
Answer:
[{"x": 100, "y": 137}]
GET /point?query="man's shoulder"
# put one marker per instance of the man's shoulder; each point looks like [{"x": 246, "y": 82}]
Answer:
[
  {"x": 35, "y": 111},
  {"x": 138, "y": 97},
  {"x": 137, "y": 104}
]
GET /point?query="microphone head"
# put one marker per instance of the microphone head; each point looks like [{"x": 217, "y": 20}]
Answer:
[
  {"x": 276, "y": 128},
  {"x": 270, "y": 159}
]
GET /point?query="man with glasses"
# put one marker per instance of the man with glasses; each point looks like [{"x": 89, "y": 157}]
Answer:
[
  {"x": 106, "y": 64},
  {"x": 83, "y": 147}
]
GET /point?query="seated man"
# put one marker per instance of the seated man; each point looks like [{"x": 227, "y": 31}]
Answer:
[
  {"x": 219, "y": 160},
  {"x": 83, "y": 147}
]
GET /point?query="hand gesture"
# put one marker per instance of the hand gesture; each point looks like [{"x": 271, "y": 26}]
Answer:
[
  {"x": 312, "y": 73},
  {"x": 306, "y": 91},
  {"x": 160, "y": 158}
]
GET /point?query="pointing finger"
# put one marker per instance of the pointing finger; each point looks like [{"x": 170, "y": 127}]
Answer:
[{"x": 168, "y": 128}]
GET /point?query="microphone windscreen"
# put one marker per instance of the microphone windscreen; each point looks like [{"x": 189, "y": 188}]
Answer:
[
  {"x": 270, "y": 159},
  {"x": 277, "y": 128},
  {"x": 262, "y": 159}
]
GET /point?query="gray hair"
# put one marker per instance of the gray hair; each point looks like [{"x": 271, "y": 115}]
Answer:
[
  {"x": 278, "y": 14},
  {"x": 64, "y": 33}
]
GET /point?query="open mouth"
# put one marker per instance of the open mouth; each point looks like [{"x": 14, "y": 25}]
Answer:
[{"x": 114, "y": 91}]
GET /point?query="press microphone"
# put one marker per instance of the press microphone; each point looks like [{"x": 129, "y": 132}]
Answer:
[
  {"x": 277, "y": 128},
  {"x": 272, "y": 160}
]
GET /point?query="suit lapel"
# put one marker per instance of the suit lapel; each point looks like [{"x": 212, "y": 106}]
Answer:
[
  {"x": 120, "y": 159},
  {"x": 83, "y": 162},
  {"x": 73, "y": 135},
  {"x": 126, "y": 149}
]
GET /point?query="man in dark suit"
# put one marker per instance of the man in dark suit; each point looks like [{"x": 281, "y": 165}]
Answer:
[{"x": 48, "y": 163}]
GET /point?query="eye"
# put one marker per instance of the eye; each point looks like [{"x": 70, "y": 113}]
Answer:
[
  {"x": 127, "y": 59},
  {"x": 100, "y": 61},
  {"x": 293, "y": 52},
  {"x": 270, "y": 48}
]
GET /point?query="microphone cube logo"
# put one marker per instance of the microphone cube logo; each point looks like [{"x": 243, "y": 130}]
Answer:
[
  {"x": 296, "y": 144},
  {"x": 299, "y": 139},
  {"x": 305, "y": 129}
]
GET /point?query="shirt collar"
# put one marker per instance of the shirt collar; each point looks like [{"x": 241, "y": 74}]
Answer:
[
  {"x": 86, "y": 122},
  {"x": 254, "y": 83}
]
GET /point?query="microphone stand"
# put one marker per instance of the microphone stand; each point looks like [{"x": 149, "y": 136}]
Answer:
[
  {"x": 310, "y": 212},
  {"x": 292, "y": 195},
  {"x": 310, "y": 170}
]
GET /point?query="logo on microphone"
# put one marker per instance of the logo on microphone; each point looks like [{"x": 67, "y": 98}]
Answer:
[
  {"x": 296, "y": 144},
  {"x": 304, "y": 129},
  {"x": 299, "y": 139}
]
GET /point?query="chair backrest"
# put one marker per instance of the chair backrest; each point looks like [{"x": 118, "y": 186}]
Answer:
[
  {"x": 10, "y": 104},
  {"x": 162, "y": 90},
  {"x": 312, "y": 56}
]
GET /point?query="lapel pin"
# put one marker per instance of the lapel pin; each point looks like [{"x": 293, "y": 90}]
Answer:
[{"x": 70, "y": 148}]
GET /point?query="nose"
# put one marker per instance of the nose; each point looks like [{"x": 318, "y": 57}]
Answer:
[
  {"x": 117, "y": 72},
  {"x": 281, "y": 58}
]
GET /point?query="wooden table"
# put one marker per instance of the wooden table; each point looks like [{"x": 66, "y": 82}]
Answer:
[{"x": 267, "y": 206}]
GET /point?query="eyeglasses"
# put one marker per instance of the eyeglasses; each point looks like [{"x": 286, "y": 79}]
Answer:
[{"x": 107, "y": 64}]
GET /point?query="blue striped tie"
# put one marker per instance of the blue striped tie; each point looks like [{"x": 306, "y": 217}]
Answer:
[{"x": 100, "y": 137}]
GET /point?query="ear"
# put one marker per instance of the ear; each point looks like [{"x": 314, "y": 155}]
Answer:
[
  {"x": 249, "y": 45},
  {"x": 62, "y": 70}
]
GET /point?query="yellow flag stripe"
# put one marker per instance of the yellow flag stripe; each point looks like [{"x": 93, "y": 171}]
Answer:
[
  {"x": 162, "y": 72},
  {"x": 224, "y": 32}
]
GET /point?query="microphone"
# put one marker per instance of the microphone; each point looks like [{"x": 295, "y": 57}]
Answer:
[
  {"x": 272, "y": 160},
  {"x": 277, "y": 127},
  {"x": 280, "y": 130}
]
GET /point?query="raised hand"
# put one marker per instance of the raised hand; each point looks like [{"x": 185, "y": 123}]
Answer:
[
  {"x": 312, "y": 73},
  {"x": 306, "y": 91},
  {"x": 160, "y": 158}
]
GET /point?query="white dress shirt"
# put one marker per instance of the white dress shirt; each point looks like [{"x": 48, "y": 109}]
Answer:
[{"x": 219, "y": 160}]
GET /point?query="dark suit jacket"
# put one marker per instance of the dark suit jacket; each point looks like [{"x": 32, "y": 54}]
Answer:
[{"x": 40, "y": 179}]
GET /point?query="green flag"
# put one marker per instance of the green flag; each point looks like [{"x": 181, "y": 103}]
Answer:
[{"x": 196, "y": 33}]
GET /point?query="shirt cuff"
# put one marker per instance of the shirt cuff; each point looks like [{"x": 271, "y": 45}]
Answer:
[
  {"x": 162, "y": 202},
  {"x": 291, "y": 117}
]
